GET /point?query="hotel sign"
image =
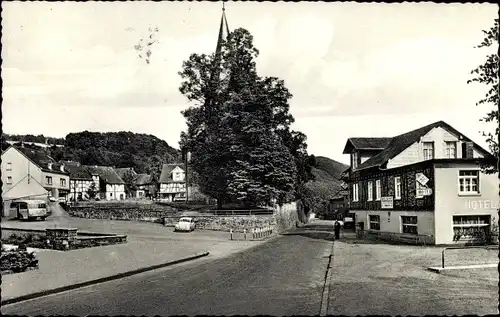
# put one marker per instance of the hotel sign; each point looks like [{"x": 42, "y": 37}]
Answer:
[
  {"x": 424, "y": 192},
  {"x": 387, "y": 202}
]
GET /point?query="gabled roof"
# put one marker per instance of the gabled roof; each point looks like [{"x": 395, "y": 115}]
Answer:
[
  {"x": 143, "y": 179},
  {"x": 166, "y": 172},
  {"x": 80, "y": 171},
  {"x": 399, "y": 143},
  {"x": 41, "y": 159},
  {"x": 124, "y": 170},
  {"x": 106, "y": 173},
  {"x": 366, "y": 144}
]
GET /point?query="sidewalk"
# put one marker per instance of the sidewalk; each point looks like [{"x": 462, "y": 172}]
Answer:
[
  {"x": 394, "y": 280},
  {"x": 65, "y": 268}
]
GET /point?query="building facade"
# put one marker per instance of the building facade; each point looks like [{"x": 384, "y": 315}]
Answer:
[
  {"x": 427, "y": 183},
  {"x": 20, "y": 164},
  {"x": 90, "y": 181},
  {"x": 172, "y": 182}
]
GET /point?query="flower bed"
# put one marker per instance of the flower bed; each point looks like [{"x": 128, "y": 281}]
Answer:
[
  {"x": 83, "y": 240},
  {"x": 17, "y": 261},
  {"x": 29, "y": 240}
]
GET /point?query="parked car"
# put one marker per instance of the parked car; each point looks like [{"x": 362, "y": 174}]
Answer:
[
  {"x": 61, "y": 200},
  {"x": 52, "y": 199},
  {"x": 185, "y": 224}
]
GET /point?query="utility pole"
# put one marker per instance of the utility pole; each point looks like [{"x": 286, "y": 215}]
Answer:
[{"x": 187, "y": 158}]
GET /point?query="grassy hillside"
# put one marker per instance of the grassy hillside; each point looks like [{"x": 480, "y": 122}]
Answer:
[{"x": 327, "y": 182}]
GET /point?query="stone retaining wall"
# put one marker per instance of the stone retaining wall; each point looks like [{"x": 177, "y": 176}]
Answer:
[
  {"x": 226, "y": 223},
  {"x": 283, "y": 218},
  {"x": 286, "y": 216},
  {"x": 144, "y": 212}
]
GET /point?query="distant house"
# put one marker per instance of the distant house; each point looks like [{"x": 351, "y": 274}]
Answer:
[
  {"x": 426, "y": 183},
  {"x": 173, "y": 182},
  {"x": 146, "y": 186},
  {"x": 22, "y": 166},
  {"x": 143, "y": 183},
  {"x": 107, "y": 183}
]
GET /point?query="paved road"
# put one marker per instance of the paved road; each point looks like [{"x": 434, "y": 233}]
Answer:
[{"x": 282, "y": 277}]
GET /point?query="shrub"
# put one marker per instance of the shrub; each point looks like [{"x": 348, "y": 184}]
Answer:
[{"x": 17, "y": 261}]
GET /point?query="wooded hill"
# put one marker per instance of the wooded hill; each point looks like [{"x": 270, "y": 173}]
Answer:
[
  {"x": 145, "y": 153},
  {"x": 327, "y": 182}
]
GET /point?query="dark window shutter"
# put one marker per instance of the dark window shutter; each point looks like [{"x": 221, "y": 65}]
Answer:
[{"x": 469, "y": 150}]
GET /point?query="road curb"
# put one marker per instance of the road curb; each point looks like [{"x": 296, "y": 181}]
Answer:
[
  {"x": 101, "y": 280},
  {"x": 325, "y": 295}
]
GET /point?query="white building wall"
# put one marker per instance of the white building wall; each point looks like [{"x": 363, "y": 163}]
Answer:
[
  {"x": 115, "y": 192},
  {"x": 450, "y": 203},
  {"x": 80, "y": 186},
  {"x": 393, "y": 224},
  {"x": 19, "y": 168},
  {"x": 414, "y": 153}
]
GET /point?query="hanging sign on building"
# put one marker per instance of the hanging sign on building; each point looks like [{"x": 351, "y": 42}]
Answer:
[
  {"x": 387, "y": 202},
  {"x": 424, "y": 192},
  {"x": 344, "y": 185},
  {"x": 421, "y": 178}
]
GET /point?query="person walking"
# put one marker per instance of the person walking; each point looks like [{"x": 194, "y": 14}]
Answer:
[{"x": 336, "y": 227}]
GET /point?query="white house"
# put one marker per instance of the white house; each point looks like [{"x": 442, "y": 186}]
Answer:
[
  {"x": 19, "y": 163},
  {"x": 106, "y": 183},
  {"x": 426, "y": 183},
  {"x": 173, "y": 182}
]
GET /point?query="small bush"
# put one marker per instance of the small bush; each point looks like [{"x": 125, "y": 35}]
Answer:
[{"x": 17, "y": 261}]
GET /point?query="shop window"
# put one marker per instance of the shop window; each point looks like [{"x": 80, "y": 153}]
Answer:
[{"x": 469, "y": 227}]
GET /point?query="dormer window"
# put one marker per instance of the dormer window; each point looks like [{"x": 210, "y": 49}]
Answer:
[
  {"x": 428, "y": 149},
  {"x": 451, "y": 149}
]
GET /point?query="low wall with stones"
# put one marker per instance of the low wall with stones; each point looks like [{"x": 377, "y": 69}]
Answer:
[
  {"x": 226, "y": 223},
  {"x": 283, "y": 218},
  {"x": 140, "y": 212}
]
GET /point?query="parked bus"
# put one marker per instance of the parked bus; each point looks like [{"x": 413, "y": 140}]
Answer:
[{"x": 31, "y": 209}]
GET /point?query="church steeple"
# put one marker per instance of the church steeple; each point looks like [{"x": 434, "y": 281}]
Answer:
[
  {"x": 223, "y": 27},
  {"x": 216, "y": 72}
]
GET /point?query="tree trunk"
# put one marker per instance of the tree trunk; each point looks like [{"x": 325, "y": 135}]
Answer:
[{"x": 219, "y": 201}]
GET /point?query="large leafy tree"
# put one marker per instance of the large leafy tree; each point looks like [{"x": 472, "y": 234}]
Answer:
[
  {"x": 487, "y": 74},
  {"x": 239, "y": 126}
]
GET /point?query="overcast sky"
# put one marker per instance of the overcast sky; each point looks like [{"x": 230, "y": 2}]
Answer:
[{"x": 354, "y": 69}]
